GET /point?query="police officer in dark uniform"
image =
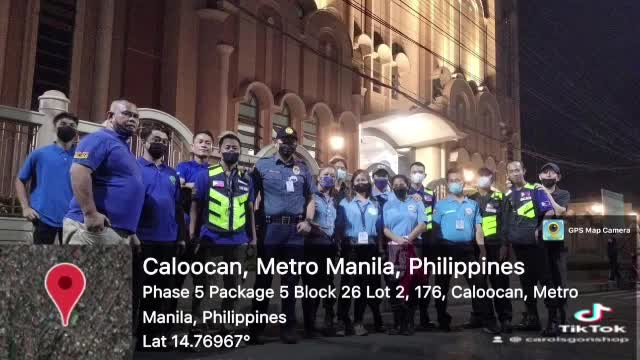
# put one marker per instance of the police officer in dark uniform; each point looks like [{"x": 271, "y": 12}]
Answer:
[
  {"x": 490, "y": 202},
  {"x": 286, "y": 189},
  {"x": 425, "y": 246},
  {"x": 524, "y": 209}
]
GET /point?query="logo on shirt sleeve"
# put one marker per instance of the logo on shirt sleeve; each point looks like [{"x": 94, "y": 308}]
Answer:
[{"x": 81, "y": 155}]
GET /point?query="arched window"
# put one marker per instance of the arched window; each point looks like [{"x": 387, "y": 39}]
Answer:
[
  {"x": 470, "y": 29},
  {"x": 329, "y": 70},
  {"x": 461, "y": 110},
  {"x": 310, "y": 140},
  {"x": 377, "y": 65},
  {"x": 281, "y": 120},
  {"x": 249, "y": 125}
]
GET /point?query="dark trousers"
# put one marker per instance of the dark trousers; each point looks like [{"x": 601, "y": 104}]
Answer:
[
  {"x": 536, "y": 271},
  {"x": 557, "y": 256},
  {"x": 189, "y": 256},
  {"x": 502, "y": 305},
  {"x": 282, "y": 242},
  {"x": 44, "y": 234},
  {"x": 461, "y": 253},
  {"x": 428, "y": 250},
  {"x": 315, "y": 253},
  {"x": 359, "y": 253},
  {"x": 161, "y": 252}
]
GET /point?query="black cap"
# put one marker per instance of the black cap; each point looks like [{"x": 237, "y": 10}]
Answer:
[
  {"x": 551, "y": 166},
  {"x": 286, "y": 132}
]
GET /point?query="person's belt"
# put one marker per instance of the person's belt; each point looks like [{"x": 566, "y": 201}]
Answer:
[{"x": 285, "y": 220}]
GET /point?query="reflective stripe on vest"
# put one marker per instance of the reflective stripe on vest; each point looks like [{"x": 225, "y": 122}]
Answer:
[
  {"x": 489, "y": 225},
  {"x": 220, "y": 206},
  {"x": 527, "y": 209},
  {"x": 428, "y": 211}
]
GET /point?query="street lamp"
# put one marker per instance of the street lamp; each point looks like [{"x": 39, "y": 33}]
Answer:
[
  {"x": 597, "y": 208},
  {"x": 468, "y": 175},
  {"x": 336, "y": 142}
]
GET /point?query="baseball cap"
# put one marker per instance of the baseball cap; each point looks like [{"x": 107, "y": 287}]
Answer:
[
  {"x": 551, "y": 166},
  {"x": 286, "y": 132}
]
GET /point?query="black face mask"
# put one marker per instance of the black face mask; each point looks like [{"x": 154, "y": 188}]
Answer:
[
  {"x": 362, "y": 188},
  {"x": 400, "y": 192},
  {"x": 286, "y": 150},
  {"x": 157, "y": 150},
  {"x": 230, "y": 157},
  {"x": 66, "y": 133},
  {"x": 548, "y": 182}
]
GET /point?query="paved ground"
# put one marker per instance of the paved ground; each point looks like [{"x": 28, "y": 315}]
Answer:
[{"x": 465, "y": 345}]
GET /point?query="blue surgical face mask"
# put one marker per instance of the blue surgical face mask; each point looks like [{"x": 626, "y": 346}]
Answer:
[
  {"x": 327, "y": 182},
  {"x": 455, "y": 188},
  {"x": 341, "y": 174}
]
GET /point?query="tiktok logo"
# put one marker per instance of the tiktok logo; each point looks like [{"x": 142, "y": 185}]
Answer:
[{"x": 592, "y": 315}]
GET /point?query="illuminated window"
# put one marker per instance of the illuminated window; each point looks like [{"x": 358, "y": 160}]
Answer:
[
  {"x": 310, "y": 141},
  {"x": 281, "y": 120},
  {"x": 249, "y": 125}
]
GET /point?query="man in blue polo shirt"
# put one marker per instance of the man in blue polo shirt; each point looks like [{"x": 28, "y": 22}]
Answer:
[
  {"x": 50, "y": 198},
  {"x": 161, "y": 228},
  {"x": 107, "y": 184},
  {"x": 458, "y": 224},
  {"x": 223, "y": 211}
]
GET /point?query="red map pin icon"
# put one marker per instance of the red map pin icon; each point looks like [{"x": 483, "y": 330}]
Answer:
[{"x": 65, "y": 284}]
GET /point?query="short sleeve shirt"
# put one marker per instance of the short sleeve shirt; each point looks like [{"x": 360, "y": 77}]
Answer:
[
  {"x": 162, "y": 194},
  {"x": 325, "y": 214},
  {"x": 48, "y": 170},
  {"x": 457, "y": 220},
  {"x": 360, "y": 216},
  {"x": 118, "y": 189},
  {"x": 284, "y": 186},
  {"x": 401, "y": 217}
]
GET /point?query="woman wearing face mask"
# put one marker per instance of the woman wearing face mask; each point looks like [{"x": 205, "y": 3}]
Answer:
[
  {"x": 320, "y": 246},
  {"x": 404, "y": 221},
  {"x": 359, "y": 221},
  {"x": 342, "y": 188}
]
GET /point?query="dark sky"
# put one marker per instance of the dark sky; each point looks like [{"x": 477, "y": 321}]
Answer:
[{"x": 580, "y": 92}]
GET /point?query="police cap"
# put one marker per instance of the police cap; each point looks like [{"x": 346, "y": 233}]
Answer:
[{"x": 286, "y": 132}]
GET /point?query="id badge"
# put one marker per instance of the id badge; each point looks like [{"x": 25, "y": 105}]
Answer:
[
  {"x": 363, "y": 238},
  {"x": 289, "y": 186},
  {"x": 459, "y": 224}
]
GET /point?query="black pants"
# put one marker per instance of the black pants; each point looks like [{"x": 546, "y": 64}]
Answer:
[
  {"x": 536, "y": 271},
  {"x": 318, "y": 254},
  {"x": 557, "y": 255},
  {"x": 499, "y": 281},
  {"x": 428, "y": 250},
  {"x": 461, "y": 253},
  {"x": 359, "y": 253},
  {"x": 44, "y": 234},
  {"x": 161, "y": 252}
]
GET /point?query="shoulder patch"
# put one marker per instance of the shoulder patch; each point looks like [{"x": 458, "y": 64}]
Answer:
[{"x": 81, "y": 155}]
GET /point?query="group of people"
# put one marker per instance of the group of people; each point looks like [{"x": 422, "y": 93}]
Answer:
[{"x": 97, "y": 192}]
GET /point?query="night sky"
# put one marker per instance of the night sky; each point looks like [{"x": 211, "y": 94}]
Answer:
[{"x": 580, "y": 92}]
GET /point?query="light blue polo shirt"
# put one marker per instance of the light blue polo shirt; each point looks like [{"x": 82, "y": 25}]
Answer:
[
  {"x": 325, "y": 214},
  {"x": 451, "y": 215},
  {"x": 48, "y": 169},
  {"x": 356, "y": 216},
  {"x": 401, "y": 217}
]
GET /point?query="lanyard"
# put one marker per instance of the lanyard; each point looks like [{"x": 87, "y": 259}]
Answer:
[{"x": 362, "y": 212}]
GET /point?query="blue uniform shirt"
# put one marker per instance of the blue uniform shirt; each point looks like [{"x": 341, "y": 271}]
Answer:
[
  {"x": 457, "y": 220},
  {"x": 401, "y": 217},
  {"x": 118, "y": 190},
  {"x": 202, "y": 196},
  {"x": 325, "y": 215},
  {"x": 356, "y": 216},
  {"x": 162, "y": 195},
  {"x": 270, "y": 177},
  {"x": 189, "y": 170},
  {"x": 48, "y": 169}
]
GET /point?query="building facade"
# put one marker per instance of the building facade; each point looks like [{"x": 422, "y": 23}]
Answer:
[{"x": 381, "y": 82}]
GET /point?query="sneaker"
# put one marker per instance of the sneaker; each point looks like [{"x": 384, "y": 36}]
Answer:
[{"x": 359, "y": 330}]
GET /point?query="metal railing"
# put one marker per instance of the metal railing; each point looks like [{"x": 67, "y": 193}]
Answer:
[{"x": 17, "y": 140}]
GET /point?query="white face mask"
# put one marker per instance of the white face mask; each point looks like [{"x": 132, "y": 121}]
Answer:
[
  {"x": 417, "y": 178},
  {"x": 484, "y": 182},
  {"x": 341, "y": 174}
]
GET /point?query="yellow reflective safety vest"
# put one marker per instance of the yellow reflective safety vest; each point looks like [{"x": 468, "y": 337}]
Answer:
[
  {"x": 491, "y": 211},
  {"x": 228, "y": 201},
  {"x": 521, "y": 215}
]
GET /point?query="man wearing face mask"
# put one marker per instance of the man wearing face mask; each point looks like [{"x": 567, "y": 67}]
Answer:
[
  {"x": 549, "y": 176},
  {"x": 286, "y": 188},
  {"x": 223, "y": 211},
  {"x": 425, "y": 245},
  {"x": 458, "y": 225},
  {"x": 47, "y": 170},
  {"x": 107, "y": 183},
  {"x": 161, "y": 229},
  {"x": 381, "y": 190},
  {"x": 490, "y": 204},
  {"x": 342, "y": 188}
]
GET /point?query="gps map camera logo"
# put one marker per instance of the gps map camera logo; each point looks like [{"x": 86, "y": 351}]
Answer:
[
  {"x": 553, "y": 230},
  {"x": 592, "y": 315}
]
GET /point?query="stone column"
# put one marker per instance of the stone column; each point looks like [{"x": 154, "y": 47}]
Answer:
[
  {"x": 443, "y": 160},
  {"x": 52, "y": 103},
  {"x": 224, "y": 51}
]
